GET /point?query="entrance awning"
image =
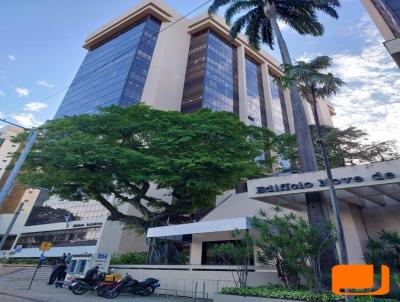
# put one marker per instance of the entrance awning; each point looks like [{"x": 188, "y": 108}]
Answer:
[
  {"x": 370, "y": 185},
  {"x": 213, "y": 226}
]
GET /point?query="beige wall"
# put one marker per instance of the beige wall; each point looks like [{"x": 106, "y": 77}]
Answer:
[{"x": 181, "y": 280}]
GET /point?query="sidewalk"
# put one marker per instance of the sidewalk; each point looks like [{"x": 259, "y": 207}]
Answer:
[{"x": 16, "y": 291}]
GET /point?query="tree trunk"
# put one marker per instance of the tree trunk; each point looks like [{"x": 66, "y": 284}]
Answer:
[
  {"x": 316, "y": 209},
  {"x": 332, "y": 193}
]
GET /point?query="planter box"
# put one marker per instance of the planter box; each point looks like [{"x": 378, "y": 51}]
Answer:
[{"x": 234, "y": 298}]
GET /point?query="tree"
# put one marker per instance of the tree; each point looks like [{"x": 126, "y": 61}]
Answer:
[
  {"x": 345, "y": 147},
  {"x": 236, "y": 254},
  {"x": 313, "y": 85},
  {"x": 384, "y": 249},
  {"x": 293, "y": 245},
  {"x": 260, "y": 24},
  {"x": 122, "y": 152}
]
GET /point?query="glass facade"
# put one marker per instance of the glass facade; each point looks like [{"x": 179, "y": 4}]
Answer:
[
  {"x": 54, "y": 210},
  {"x": 255, "y": 94},
  {"x": 395, "y": 7},
  {"x": 279, "y": 116},
  {"x": 114, "y": 72},
  {"x": 211, "y": 75},
  {"x": 61, "y": 238}
]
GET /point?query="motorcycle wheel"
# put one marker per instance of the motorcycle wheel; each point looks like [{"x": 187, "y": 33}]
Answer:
[
  {"x": 151, "y": 289},
  {"x": 145, "y": 292},
  {"x": 110, "y": 294},
  {"x": 101, "y": 290},
  {"x": 80, "y": 289}
]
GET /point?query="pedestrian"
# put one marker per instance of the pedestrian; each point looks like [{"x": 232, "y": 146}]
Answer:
[
  {"x": 68, "y": 258},
  {"x": 62, "y": 258},
  {"x": 54, "y": 274},
  {"x": 61, "y": 273}
]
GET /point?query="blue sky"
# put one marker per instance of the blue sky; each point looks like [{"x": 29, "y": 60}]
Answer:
[{"x": 40, "y": 52}]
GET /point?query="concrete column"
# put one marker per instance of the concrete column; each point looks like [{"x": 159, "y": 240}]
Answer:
[
  {"x": 243, "y": 106},
  {"x": 267, "y": 95}
]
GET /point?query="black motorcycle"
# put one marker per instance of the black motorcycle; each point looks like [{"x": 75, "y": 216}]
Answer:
[{"x": 130, "y": 285}]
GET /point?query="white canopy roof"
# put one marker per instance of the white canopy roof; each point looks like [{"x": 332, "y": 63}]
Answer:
[{"x": 221, "y": 225}]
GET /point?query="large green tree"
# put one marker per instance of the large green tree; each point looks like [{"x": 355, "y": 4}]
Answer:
[
  {"x": 121, "y": 152},
  {"x": 259, "y": 20}
]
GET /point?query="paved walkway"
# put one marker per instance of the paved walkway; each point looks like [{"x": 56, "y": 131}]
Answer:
[{"x": 14, "y": 288}]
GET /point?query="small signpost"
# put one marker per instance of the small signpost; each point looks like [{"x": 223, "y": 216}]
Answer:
[{"x": 44, "y": 246}]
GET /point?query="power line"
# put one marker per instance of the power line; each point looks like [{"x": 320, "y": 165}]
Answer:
[
  {"x": 14, "y": 124},
  {"x": 128, "y": 52}
]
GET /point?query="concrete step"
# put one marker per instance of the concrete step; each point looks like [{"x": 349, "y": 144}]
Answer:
[{"x": 42, "y": 273}]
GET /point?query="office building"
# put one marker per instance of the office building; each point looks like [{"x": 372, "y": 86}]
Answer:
[
  {"x": 152, "y": 55},
  {"x": 386, "y": 16}
]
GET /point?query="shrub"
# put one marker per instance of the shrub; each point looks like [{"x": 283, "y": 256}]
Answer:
[
  {"x": 129, "y": 258},
  {"x": 293, "y": 246},
  {"x": 279, "y": 292}
]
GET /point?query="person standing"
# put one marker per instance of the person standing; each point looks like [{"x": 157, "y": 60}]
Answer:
[
  {"x": 61, "y": 273},
  {"x": 68, "y": 259}
]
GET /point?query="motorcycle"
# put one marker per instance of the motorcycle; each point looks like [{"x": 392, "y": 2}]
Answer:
[
  {"x": 81, "y": 286},
  {"x": 128, "y": 284}
]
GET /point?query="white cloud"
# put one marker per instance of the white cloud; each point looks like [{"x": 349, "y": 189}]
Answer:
[
  {"x": 35, "y": 106},
  {"x": 11, "y": 57},
  {"x": 2, "y": 115},
  {"x": 44, "y": 84},
  {"x": 26, "y": 119},
  {"x": 21, "y": 92},
  {"x": 370, "y": 100},
  {"x": 282, "y": 25},
  {"x": 2, "y": 94}
]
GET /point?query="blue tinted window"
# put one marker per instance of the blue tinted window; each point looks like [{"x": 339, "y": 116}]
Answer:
[
  {"x": 255, "y": 95},
  {"x": 277, "y": 113},
  {"x": 107, "y": 71},
  {"x": 220, "y": 91}
]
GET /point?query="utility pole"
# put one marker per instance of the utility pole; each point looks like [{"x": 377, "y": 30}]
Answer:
[{"x": 5, "y": 235}]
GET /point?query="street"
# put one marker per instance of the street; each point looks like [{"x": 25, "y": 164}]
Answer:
[{"x": 14, "y": 284}]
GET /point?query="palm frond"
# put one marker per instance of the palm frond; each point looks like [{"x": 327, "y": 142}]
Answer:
[
  {"x": 216, "y": 5},
  {"x": 237, "y": 7}
]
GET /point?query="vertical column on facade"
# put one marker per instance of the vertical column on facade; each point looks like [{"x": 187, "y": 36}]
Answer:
[
  {"x": 267, "y": 95},
  {"x": 242, "y": 85}
]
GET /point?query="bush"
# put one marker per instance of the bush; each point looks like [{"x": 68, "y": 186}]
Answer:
[
  {"x": 293, "y": 245},
  {"x": 129, "y": 258},
  {"x": 279, "y": 292}
]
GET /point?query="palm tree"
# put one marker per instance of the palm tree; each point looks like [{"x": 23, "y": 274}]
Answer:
[
  {"x": 260, "y": 24},
  {"x": 313, "y": 85}
]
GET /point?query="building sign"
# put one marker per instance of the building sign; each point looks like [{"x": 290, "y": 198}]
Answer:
[
  {"x": 89, "y": 224},
  {"x": 374, "y": 174},
  {"x": 281, "y": 187},
  {"x": 102, "y": 260}
]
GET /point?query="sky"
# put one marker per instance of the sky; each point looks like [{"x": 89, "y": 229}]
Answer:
[{"x": 40, "y": 52}]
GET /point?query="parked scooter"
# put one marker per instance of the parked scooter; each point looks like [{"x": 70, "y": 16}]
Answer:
[{"x": 128, "y": 284}]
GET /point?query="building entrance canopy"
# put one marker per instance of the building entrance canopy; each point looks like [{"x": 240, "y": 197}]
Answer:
[
  {"x": 203, "y": 227},
  {"x": 370, "y": 185}
]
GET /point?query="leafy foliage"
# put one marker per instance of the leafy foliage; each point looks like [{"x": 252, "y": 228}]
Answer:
[
  {"x": 293, "y": 246},
  {"x": 129, "y": 258},
  {"x": 293, "y": 294},
  {"x": 385, "y": 249},
  {"x": 310, "y": 78},
  {"x": 345, "y": 147},
  {"x": 120, "y": 152},
  {"x": 258, "y": 19},
  {"x": 237, "y": 254},
  {"x": 280, "y": 293}
]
